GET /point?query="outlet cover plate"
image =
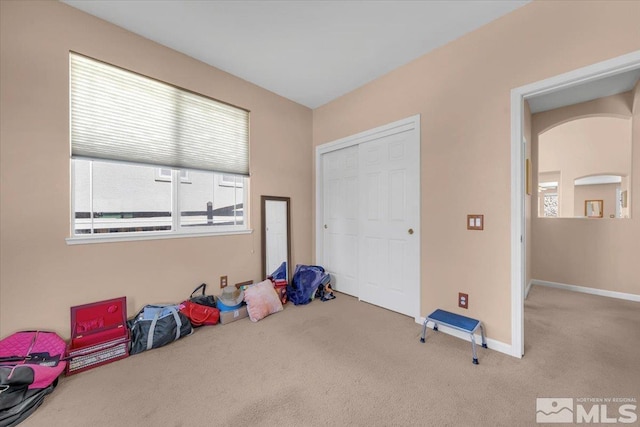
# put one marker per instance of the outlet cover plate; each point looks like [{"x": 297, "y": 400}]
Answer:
[
  {"x": 463, "y": 300},
  {"x": 475, "y": 222}
]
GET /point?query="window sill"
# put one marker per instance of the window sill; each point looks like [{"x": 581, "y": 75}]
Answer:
[{"x": 84, "y": 240}]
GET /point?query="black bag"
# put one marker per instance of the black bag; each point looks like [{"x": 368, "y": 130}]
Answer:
[
  {"x": 208, "y": 300},
  {"x": 157, "y": 325},
  {"x": 17, "y": 403}
]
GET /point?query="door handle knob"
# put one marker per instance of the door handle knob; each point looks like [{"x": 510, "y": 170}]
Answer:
[
  {"x": 325, "y": 226},
  {"x": 410, "y": 231}
]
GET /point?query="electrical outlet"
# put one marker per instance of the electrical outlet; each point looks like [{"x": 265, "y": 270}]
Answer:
[
  {"x": 245, "y": 283},
  {"x": 223, "y": 282},
  {"x": 463, "y": 300}
]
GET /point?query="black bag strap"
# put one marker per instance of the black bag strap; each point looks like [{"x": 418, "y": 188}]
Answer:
[{"x": 203, "y": 286}]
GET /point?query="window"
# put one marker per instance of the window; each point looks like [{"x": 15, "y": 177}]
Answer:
[
  {"x": 206, "y": 202},
  {"x": 550, "y": 205},
  {"x": 150, "y": 159},
  {"x": 111, "y": 197},
  {"x": 117, "y": 198},
  {"x": 548, "y": 197},
  {"x": 164, "y": 174},
  {"x": 230, "y": 180}
]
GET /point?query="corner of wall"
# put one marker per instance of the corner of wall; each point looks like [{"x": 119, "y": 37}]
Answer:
[{"x": 635, "y": 109}]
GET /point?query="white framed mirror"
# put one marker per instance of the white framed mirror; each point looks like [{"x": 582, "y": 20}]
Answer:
[{"x": 276, "y": 234}]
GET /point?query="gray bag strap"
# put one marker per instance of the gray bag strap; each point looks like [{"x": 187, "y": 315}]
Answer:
[
  {"x": 152, "y": 329},
  {"x": 178, "y": 321}
]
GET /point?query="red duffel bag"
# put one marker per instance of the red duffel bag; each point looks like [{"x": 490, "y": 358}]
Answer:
[{"x": 199, "y": 314}]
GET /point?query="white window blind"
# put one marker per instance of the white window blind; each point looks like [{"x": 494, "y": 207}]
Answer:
[{"x": 120, "y": 115}]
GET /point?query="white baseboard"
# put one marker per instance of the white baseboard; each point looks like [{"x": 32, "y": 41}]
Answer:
[
  {"x": 585, "y": 290},
  {"x": 527, "y": 289},
  {"x": 491, "y": 343}
]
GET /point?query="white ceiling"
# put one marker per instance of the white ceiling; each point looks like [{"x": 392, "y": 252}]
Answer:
[{"x": 308, "y": 51}]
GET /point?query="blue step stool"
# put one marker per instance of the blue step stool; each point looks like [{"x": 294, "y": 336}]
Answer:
[{"x": 456, "y": 321}]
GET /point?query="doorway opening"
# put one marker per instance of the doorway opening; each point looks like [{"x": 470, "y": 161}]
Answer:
[{"x": 562, "y": 90}]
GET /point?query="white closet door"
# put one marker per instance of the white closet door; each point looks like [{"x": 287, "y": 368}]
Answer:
[
  {"x": 340, "y": 228},
  {"x": 369, "y": 215},
  {"x": 389, "y": 221}
]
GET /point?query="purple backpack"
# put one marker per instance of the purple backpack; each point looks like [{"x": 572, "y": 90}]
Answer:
[{"x": 305, "y": 282}]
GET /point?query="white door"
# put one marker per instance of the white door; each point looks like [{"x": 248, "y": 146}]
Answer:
[
  {"x": 389, "y": 199},
  {"x": 340, "y": 213},
  {"x": 369, "y": 215},
  {"x": 276, "y": 233}
]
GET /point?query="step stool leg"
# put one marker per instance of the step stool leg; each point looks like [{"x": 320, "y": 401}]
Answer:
[
  {"x": 473, "y": 349},
  {"x": 424, "y": 330},
  {"x": 484, "y": 340}
]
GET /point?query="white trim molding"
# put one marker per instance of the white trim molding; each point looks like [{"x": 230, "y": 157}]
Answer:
[
  {"x": 491, "y": 343},
  {"x": 583, "y": 75},
  {"x": 585, "y": 290},
  {"x": 528, "y": 288},
  {"x": 153, "y": 235},
  {"x": 517, "y": 223}
]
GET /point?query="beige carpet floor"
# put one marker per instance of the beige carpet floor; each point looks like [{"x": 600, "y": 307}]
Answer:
[{"x": 347, "y": 363}]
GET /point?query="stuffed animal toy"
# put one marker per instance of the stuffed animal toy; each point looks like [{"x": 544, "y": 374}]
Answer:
[
  {"x": 328, "y": 293},
  {"x": 325, "y": 292}
]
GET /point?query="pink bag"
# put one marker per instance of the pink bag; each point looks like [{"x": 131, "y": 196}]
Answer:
[{"x": 39, "y": 351}]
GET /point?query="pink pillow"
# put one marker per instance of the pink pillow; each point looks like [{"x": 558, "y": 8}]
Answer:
[{"x": 262, "y": 300}]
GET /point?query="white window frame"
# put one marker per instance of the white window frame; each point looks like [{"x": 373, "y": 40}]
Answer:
[
  {"x": 177, "y": 231},
  {"x": 226, "y": 182},
  {"x": 162, "y": 175}
]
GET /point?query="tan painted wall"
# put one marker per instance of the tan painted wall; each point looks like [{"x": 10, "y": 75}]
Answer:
[
  {"x": 40, "y": 276},
  {"x": 619, "y": 105},
  {"x": 600, "y": 253},
  {"x": 584, "y": 147},
  {"x": 462, "y": 92}
]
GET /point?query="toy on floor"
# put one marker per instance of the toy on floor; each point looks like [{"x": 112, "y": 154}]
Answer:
[
  {"x": 325, "y": 291},
  {"x": 328, "y": 293}
]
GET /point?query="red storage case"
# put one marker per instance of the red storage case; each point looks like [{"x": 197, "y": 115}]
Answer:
[
  {"x": 280, "y": 285},
  {"x": 99, "y": 334}
]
